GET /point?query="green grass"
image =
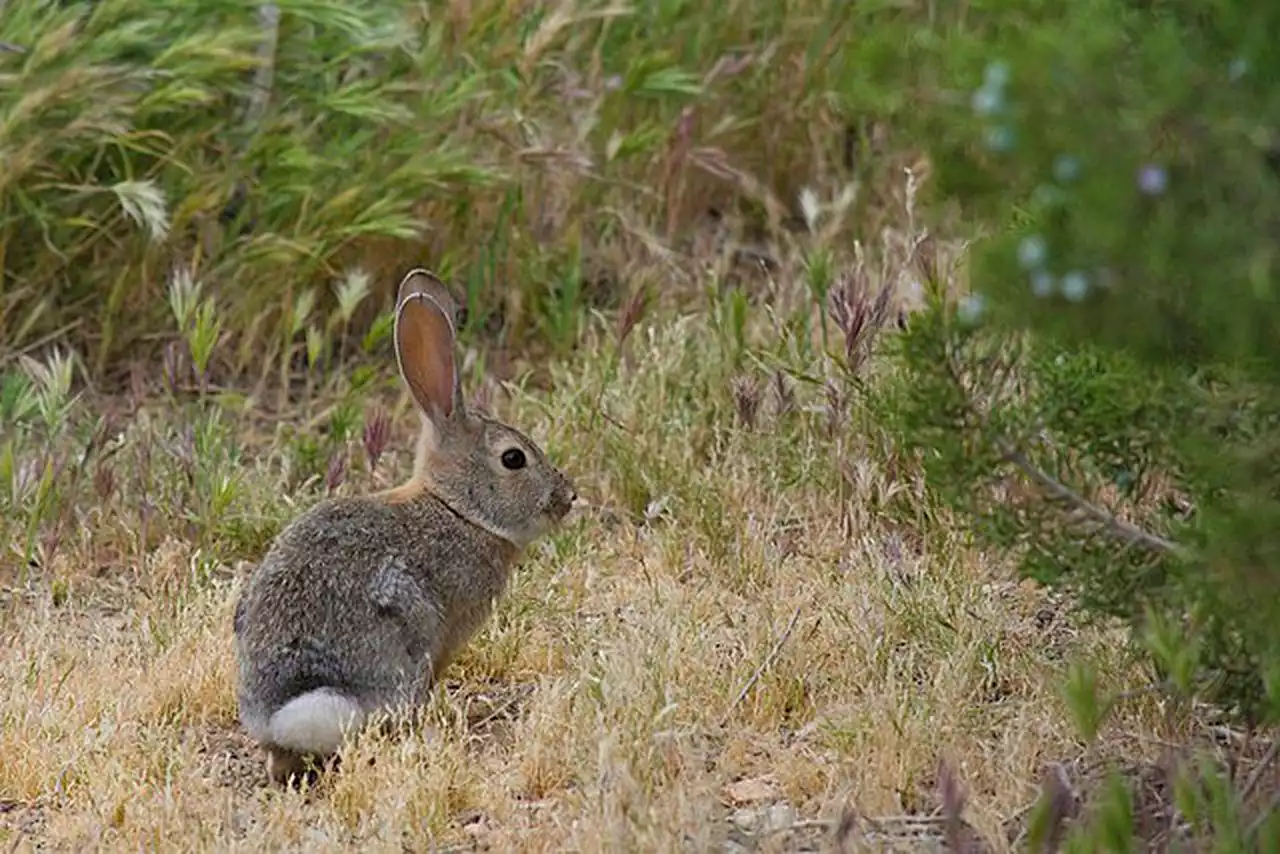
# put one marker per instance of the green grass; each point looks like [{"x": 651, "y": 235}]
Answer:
[{"x": 529, "y": 157}]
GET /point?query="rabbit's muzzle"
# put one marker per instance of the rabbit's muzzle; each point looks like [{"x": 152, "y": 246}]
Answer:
[{"x": 562, "y": 498}]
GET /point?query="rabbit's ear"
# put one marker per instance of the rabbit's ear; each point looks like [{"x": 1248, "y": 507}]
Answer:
[
  {"x": 422, "y": 281},
  {"x": 424, "y": 338}
]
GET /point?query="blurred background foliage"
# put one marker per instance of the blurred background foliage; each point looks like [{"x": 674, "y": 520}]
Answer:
[
  {"x": 270, "y": 149},
  {"x": 1113, "y": 377}
]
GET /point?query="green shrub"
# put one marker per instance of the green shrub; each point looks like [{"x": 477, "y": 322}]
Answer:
[{"x": 1105, "y": 400}]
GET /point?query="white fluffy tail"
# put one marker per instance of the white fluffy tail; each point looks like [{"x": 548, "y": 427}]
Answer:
[{"x": 315, "y": 722}]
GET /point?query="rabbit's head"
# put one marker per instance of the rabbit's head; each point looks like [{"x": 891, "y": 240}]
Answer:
[{"x": 487, "y": 472}]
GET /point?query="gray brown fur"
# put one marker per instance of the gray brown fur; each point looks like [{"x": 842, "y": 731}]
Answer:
[{"x": 368, "y": 599}]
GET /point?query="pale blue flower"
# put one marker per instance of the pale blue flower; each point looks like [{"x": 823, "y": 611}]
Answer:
[
  {"x": 1032, "y": 251},
  {"x": 1066, "y": 168},
  {"x": 1152, "y": 179},
  {"x": 987, "y": 101},
  {"x": 997, "y": 74},
  {"x": 1049, "y": 195},
  {"x": 1075, "y": 286},
  {"x": 1042, "y": 284},
  {"x": 999, "y": 138},
  {"x": 971, "y": 307}
]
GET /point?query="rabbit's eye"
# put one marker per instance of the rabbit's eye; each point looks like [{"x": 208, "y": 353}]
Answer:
[{"x": 513, "y": 458}]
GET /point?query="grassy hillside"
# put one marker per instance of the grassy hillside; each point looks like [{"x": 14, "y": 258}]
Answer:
[{"x": 687, "y": 235}]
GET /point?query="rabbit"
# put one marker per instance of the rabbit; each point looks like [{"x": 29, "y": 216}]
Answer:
[{"x": 361, "y": 602}]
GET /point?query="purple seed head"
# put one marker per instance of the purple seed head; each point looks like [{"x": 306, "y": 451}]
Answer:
[
  {"x": 377, "y": 432},
  {"x": 632, "y": 312},
  {"x": 104, "y": 481},
  {"x": 337, "y": 471},
  {"x": 746, "y": 400}
]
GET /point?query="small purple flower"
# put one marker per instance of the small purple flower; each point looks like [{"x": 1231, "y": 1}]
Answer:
[
  {"x": 613, "y": 82},
  {"x": 1042, "y": 284},
  {"x": 1152, "y": 179},
  {"x": 1075, "y": 286}
]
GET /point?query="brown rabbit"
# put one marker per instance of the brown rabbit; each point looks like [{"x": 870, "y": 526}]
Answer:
[{"x": 362, "y": 601}]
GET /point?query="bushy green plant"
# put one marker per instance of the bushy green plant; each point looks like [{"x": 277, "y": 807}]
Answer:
[
  {"x": 1105, "y": 401},
  {"x": 1120, "y": 351}
]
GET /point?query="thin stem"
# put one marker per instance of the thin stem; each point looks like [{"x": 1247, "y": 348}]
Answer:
[{"x": 1108, "y": 521}]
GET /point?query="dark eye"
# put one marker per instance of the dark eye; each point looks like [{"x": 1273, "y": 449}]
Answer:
[{"x": 513, "y": 458}]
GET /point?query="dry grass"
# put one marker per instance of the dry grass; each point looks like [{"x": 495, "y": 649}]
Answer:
[{"x": 785, "y": 633}]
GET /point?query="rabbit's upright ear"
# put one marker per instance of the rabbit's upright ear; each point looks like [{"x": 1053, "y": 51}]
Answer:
[{"x": 426, "y": 314}]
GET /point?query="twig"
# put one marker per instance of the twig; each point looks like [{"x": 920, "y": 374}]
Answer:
[
  {"x": 764, "y": 665},
  {"x": 10, "y": 355},
  {"x": 1257, "y": 823},
  {"x": 259, "y": 101},
  {"x": 615, "y": 422},
  {"x": 1115, "y": 526},
  {"x": 264, "y": 76},
  {"x": 802, "y": 824},
  {"x": 494, "y": 713},
  {"x": 1255, "y": 778}
]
